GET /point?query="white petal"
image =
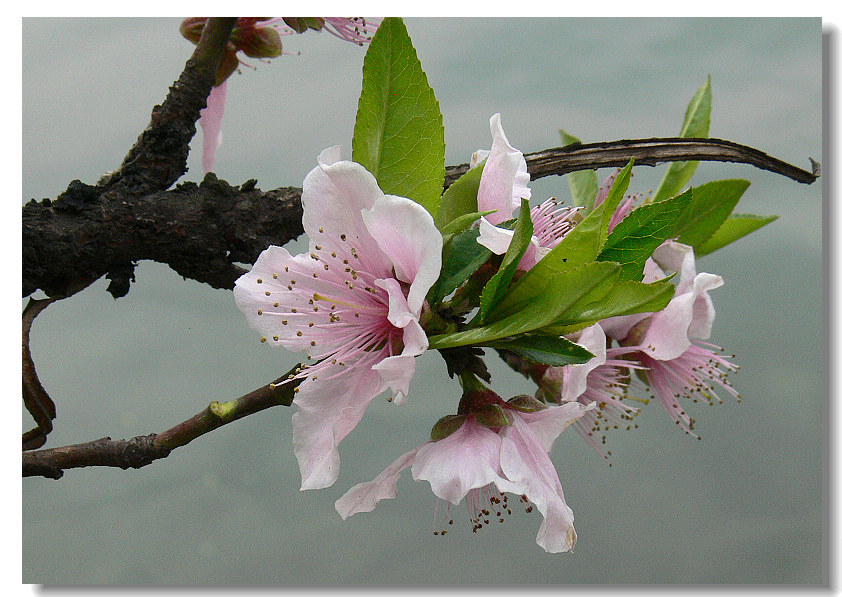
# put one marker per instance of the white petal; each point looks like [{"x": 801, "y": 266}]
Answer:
[
  {"x": 328, "y": 409},
  {"x": 407, "y": 235},
  {"x": 496, "y": 240},
  {"x": 333, "y": 196},
  {"x": 363, "y": 497},
  {"x": 250, "y": 295},
  {"x": 703, "y": 311}
]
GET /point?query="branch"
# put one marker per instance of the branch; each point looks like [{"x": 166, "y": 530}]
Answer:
[
  {"x": 142, "y": 450},
  {"x": 35, "y": 397},
  {"x": 159, "y": 156},
  {"x": 203, "y": 232},
  {"x": 650, "y": 152}
]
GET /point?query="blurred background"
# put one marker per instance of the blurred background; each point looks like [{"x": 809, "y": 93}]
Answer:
[{"x": 744, "y": 505}]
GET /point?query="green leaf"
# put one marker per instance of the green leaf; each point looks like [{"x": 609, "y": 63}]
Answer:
[
  {"x": 589, "y": 282},
  {"x": 464, "y": 222},
  {"x": 583, "y": 183},
  {"x": 462, "y": 257},
  {"x": 734, "y": 228},
  {"x": 624, "y": 298},
  {"x": 642, "y": 231},
  {"x": 460, "y": 198},
  {"x": 572, "y": 300},
  {"x": 554, "y": 351},
  {"x": 498, "y": 283},
  {"x": 696, "y": 125},
  {"x": 581, "y": 245},
  {"x": 399, "y": 136},
  {"x": 712, "y": 203}
]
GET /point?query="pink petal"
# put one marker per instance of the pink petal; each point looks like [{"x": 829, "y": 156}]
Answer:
[
  {"x": 329, "y": 407},
  {"x": 576, "y": 376},
  {"x": 211, "y": 122},
  {"x": 363, "y": 497},
  {"x": 334, "y": 195},
  {"x": 525, "y": 461},
  {"x": 407, "y": 235},
  {"x": 504, "y": 178},
  {"x": 468, "y": 458}
]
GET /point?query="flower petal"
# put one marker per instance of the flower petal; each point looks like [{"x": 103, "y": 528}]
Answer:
[
  {"x": 468, "y": 458},
  {"x": 329, "y": 407},
  {"x": 524, "y": 460},
  {"x": 250, "y": 295},
  {"x": 363, "y": 497},
  {"x": 407, "y": 235},
  {"x": 575, "y": 377},
  {"x": 504, "y": 178},
  {"x": 334, "y": 195},
  {"x": 496, "y": 240},
  {"x": 211, "y": 122}
]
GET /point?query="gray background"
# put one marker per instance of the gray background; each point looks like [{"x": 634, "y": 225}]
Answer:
[{"x": 744, "y": 505}]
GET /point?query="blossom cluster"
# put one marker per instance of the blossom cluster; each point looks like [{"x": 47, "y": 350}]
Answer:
[{"x": 376, "y": 290}]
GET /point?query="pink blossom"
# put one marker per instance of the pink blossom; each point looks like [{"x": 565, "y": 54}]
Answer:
[
  {"x": 668, "y": 341},
  {"x": 352, "y": 304},
  {"x": 481, "y": 464},
  {"x": 602, "y": 381},
  {"x": 503, "y": 184}
]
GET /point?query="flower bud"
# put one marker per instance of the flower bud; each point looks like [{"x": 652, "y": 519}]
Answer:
[{"x": 302, "y": 24}]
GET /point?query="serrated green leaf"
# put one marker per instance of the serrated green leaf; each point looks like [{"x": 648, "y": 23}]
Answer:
[
  {"x": 696, "y": 125},
  {"x": 583, "y": 183},
  {"x": 398, "y": 135},
  {"x": 712, "y": 203},
  {"x": 493, "y": 291},
  {"x": 462, "y": 257},
  {"x": 642, "y": 231},
  {"x": 580, "y": 246},
  {"x": 460, "y": 198},
  {"x": 554, "y": 351},
  {"x": 734, "y": 228}
]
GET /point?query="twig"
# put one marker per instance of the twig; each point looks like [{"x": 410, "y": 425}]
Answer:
[
  {"x": 650, "y": 152},
  {"x": 35, "y": 397},
  {"x": 142, "y": 450}
]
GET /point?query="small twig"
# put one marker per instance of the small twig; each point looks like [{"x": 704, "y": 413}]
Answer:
[
  {"x": 35, "y": 397},
  {"x": 650, "y": 152},
  {"x": 142, "y": 450}
]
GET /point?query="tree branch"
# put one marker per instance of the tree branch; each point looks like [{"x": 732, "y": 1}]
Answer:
[
  {"x": 142, "y": 450},
  {"x": 159, "y": 156},
  {"x": 202, "y": 232},
  {"x": 35, "y": 397},
  {"x": 650, "y": 152}
]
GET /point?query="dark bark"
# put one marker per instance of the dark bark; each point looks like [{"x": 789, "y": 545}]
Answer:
[{"x": 200, "y": 231}]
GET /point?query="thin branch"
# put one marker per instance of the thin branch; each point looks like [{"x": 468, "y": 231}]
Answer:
[
  {"x": 651, "y": 152},
  {"x": 142, "y": 450},
  {"x": 35, "y": 397}
]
